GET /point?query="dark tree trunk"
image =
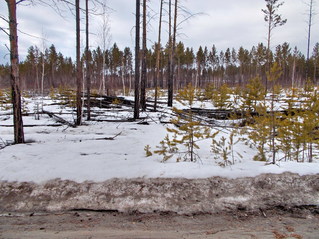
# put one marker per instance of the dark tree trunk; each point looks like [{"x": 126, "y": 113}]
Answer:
[
  {"x": 15, "y": 78},
  {"x": 78, "y": 66},
  {"x": 169, "y": 64},
  {"x": 88, "y": 79},
  {"x": 174, "y": 43},
  {"x": 172, "y": 57},
  {"x": 137, "y": 62},
  {"x": 144, "y": 70}
]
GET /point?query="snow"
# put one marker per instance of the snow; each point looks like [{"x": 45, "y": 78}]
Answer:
[{"x": 81, "y": 154}]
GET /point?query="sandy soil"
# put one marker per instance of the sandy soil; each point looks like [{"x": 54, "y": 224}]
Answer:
[{"x": 98, "y": 225}]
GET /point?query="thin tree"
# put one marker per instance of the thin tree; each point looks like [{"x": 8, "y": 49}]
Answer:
[
  {"x": 78, "y": 66},
  {"x": 105, "y": 38},
  {"x": 158, "y": 55},
  {"x": 87, "y": 56},
  {"x": 15, "y": 76},
  {"x": 172, "y": 47},
  {"x": 137, "y": 62},
  {"x": 144, "y": 70},
  {"x": 169, "y": 63},
  {"x": 310, "y": 21},
  {"x": 274, "y": 20},
  {"x": 42, "y": 68}
]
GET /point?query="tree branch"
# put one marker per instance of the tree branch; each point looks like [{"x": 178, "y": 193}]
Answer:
[
  {"x": 2, "y": 29},
  {"x": 20, "y": 1},
  {"x": 4, "y": 19},
  {"x": 29, "y": 35}
]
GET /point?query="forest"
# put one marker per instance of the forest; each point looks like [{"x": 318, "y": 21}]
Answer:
[
  {"x": 159, "y": 139},
  {"x": 265, "y": 93},
  {"x": 206, "y": 65}
]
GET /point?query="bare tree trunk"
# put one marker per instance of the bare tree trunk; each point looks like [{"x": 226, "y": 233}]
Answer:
[
  {"x": 105, "y": 41},
  {"x": 88, "y": 79},
  {"x": 78, "y": 66},
  {"x": 174, "y": 45},
  {"x": 268, "y": 52},
  {"x": 314, "y": 73},
  {"x": 172, "y": 65},
  {"x": 130, "y": 79},
  {"x": 144, "y": 70},
  {"x": 158, "y": 55},
  {"x": 42, "y": 72},
  {"x": 123, "y": 78},
  {"x": 15, "y": 77},
  {"x": 103, "y": 84},
  {"x": 293, "y": 73},
  {"x": 309, "y": 36},
  {"x": 137, "y": 62},
  {"x": 169, "y": 64}
]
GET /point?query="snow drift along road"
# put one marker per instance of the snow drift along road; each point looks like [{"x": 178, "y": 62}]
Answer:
[{"x": 183, "y": 196}]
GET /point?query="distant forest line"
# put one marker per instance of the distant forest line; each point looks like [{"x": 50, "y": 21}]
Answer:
[{"x": 113, "y": 69}]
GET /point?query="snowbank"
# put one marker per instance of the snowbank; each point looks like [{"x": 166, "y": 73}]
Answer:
[{"x": 183, "y": 196}]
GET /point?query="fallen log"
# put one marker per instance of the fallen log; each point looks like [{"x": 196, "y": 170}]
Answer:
[
  {"x": 59, "y": 119},
  {"x": 110, "y": 138},
  {"x": 35, "y": 125},
  {"x": 114, "y": 120}
]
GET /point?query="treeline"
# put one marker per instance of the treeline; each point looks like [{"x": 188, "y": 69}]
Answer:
[{"x": 112, "y": 69}]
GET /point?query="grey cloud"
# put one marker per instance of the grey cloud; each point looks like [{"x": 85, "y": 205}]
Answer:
[{"x": 230, "y": 23}]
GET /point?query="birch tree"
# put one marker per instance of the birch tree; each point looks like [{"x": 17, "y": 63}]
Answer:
[{"x": 105, "y": 40}]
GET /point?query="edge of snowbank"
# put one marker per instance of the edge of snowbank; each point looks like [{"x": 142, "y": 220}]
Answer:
[{"x": 180, "y": 195}]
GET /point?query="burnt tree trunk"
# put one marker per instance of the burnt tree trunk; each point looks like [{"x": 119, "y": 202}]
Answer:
[
  {"x": 174, "y": 46},
  {"x": 87, "y": 56},
  {"x": 144, "y": 70},
  {"x": 169, "y": 64},
  {"x": 15, "y": 78},
  {"x": 78, "y": 66},
  {"x": 137, "y": 62}
]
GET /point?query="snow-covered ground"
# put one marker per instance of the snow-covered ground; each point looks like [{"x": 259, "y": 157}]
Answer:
[{"x": 82, "y": 154}]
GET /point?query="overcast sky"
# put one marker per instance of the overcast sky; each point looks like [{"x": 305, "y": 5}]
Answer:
[{"x": 228, "y": 23}]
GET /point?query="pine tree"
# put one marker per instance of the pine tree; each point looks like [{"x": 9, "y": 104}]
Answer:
[
  {"x": 188, "y": 130},
  {"x": 167, "y": 148},
  {"x": 220, "y": 97},
  {"x": 259, "y": 132},
  {"x": 224, "y": 150},
  {"x": 274, "y": 20},
  {"x": 253, "y": 94},
  {"x": 15, "y": 76},
  {"x": 310, "y": 123}
]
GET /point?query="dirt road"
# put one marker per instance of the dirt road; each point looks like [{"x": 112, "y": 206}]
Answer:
[{"x": 98, "y": 225}]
